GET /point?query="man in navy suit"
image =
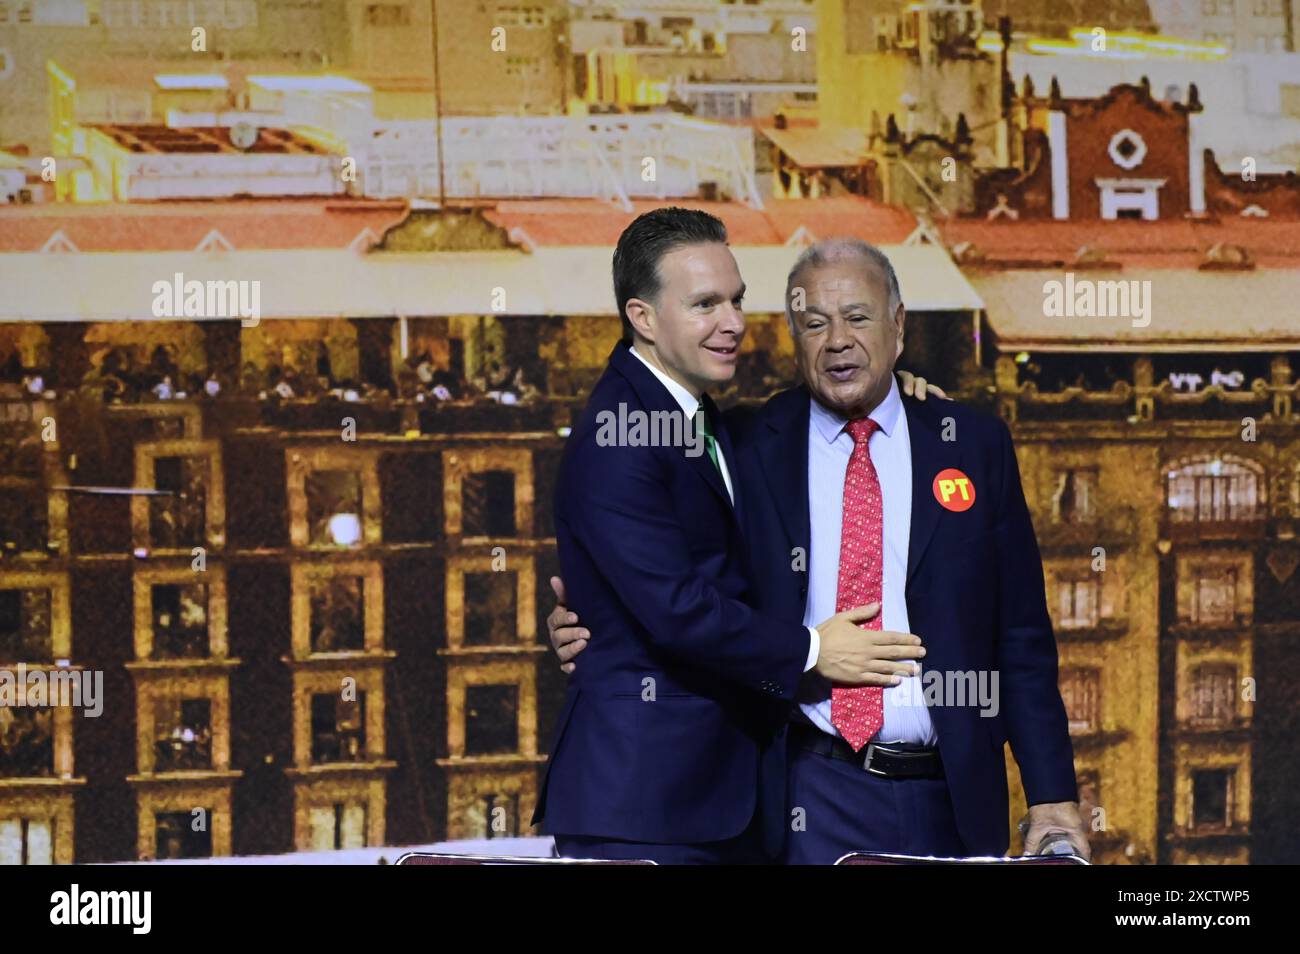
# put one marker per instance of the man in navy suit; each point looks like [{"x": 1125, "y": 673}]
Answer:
[
  {"x": 936, "y": 524},
  {"x": 664, "y": 746}
]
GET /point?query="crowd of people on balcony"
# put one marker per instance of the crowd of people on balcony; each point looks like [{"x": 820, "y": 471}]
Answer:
[{"x": 126, "y": 374}]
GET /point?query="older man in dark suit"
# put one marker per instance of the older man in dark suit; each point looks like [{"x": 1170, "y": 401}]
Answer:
[{"x": 917, "y": 507}]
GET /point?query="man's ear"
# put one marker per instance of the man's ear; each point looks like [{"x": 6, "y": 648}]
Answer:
[
  {"x": 899, "y": 315},
  {"x": 641, "y": 314}
]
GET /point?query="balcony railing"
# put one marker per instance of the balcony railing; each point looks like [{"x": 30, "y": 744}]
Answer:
[
  {"x": 1091, "y": 740},
  {"x": 1103, "y": 628},
  {"x": 1109, "y": 528},
  {"x": 1224, "y": 831},
  {"x": 1238, "y": 524},
  {"x": 1213, "y": 627},
  {"x": 1145, "y": 399},
  {"x": 1196, "y": 727}
]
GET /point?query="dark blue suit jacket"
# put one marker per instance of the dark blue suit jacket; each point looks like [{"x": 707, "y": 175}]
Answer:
[
  {"x": 653, "y": 561},
  {"x": 974, "y": 594}
]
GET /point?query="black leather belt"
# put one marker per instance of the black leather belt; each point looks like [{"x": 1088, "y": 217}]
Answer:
[{"x": 889, "y": 760}]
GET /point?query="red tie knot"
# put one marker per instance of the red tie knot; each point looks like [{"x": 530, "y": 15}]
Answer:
[{"x": 861, "y": 429}]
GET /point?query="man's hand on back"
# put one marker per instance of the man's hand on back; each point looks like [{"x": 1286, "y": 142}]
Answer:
[
  {"x": 568, "y": 639},
  {"x": 915, "y": 386},
  {"x": 849, "y": 654}
]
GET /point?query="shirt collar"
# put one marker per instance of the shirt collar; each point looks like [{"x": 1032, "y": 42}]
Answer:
[
  {"x": 831, "y": 425},
  {"x": 685, "y": 400}
]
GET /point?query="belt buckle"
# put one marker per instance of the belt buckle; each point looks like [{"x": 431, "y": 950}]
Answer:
[{"x": 872, "y": 749}]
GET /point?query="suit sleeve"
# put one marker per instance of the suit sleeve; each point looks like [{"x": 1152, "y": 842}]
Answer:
[
  {"x": 1031, "y": 700},
  {"x": 622, "y": 513}
]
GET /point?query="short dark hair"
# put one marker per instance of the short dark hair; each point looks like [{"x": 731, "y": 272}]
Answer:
[{"x": 646, "y": 241}]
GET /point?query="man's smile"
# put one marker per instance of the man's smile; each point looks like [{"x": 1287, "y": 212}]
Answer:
[{"x": 723, "y": 352}]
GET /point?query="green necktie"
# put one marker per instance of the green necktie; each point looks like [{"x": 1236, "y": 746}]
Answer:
[{"x": 710, "y": 443}]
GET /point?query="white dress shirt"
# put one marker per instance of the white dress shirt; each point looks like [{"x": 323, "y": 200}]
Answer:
[
  {"x": 690, "y": 404},
  {"x": 906, "y": 718}
]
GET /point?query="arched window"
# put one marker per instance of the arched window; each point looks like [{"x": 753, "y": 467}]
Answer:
[{"x": 1216, "y": 489}]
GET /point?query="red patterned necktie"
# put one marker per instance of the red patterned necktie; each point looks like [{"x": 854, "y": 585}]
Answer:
[{"x": 858, "y": 712}]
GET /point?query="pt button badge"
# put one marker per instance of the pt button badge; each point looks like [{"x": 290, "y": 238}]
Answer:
[{"x": 954, "y": 490}]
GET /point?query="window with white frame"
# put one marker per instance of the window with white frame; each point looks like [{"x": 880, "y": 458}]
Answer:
[
  {"x": 1078, "y": 603},
  {"x": 1214, "y": 693},
  {"x": 1075, "y": 500},
  {"x": 339, "y": 826},
  {"x": 1214, "y": 595},
  {"x": 26, "y": 841}
]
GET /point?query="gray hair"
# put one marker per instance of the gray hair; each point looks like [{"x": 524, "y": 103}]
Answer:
[{"x": 839, "y": 250}]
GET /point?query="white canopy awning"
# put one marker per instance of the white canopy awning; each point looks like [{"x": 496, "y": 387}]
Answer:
[{"x": 1187, "y": 310}]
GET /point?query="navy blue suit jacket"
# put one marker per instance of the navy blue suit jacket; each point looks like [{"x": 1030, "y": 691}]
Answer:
[
  {"x": 653, "y": 561},
  {"x": 974, "y": 594}
]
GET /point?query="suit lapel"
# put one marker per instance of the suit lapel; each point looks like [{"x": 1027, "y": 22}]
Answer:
[
  {"x": 930, "y": 455},
  {"x": 655, "y": 397},
  {"x": 783, "y": 450},
  {"x": 703, "y": 464},
  {"x": 725, "y": 448}
]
